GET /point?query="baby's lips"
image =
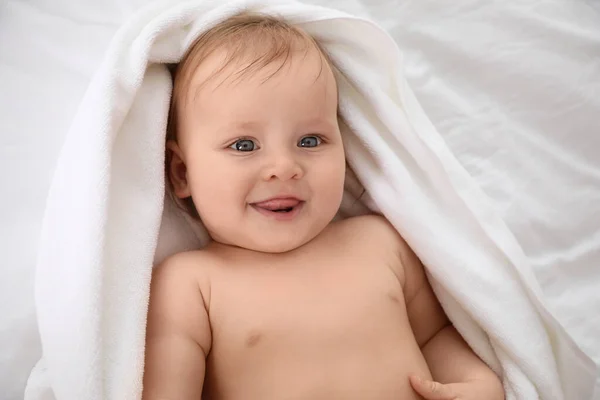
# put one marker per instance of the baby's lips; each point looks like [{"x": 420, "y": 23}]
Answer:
[{"x": 278, "y": 204}]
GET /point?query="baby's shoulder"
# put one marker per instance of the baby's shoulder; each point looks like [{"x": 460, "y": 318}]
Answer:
[
  {"x": 369, "y": 229},
  {"x": 375, "y": 235},
  {"x": 185, "y": 266},
  {"x": 186, "y": 261}
]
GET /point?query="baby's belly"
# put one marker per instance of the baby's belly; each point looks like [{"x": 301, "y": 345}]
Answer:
[
  {"x": 356, "y": 367},
  {"x": 347, "y": 378}
]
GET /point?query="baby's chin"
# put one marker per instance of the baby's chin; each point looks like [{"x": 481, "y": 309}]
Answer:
[
  {"x": 277, "y": 245},
  {"x": 267, "y": 243}
]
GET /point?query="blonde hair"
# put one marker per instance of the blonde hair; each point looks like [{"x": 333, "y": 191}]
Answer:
[{"x": 253, "y": 39}]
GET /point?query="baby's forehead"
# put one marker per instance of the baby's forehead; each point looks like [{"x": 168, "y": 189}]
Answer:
[
  {"x": 220, "y": 68},
  {"x": 300, "y": 82}
]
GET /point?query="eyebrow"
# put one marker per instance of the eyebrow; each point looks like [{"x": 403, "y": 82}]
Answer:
[
  {"x": 321, "y": 123},
  {"x": 243, "y": 126},
  {"x": 254, "y": 125}
]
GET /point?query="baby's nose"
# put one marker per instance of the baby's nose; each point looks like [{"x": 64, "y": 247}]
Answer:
[{"x": 283, "y": 167}]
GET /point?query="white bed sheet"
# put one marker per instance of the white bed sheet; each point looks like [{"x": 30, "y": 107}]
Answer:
[{"x": 514, "y": 89}]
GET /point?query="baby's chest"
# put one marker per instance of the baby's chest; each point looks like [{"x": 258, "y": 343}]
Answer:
[{"x": 321, "y": 304}]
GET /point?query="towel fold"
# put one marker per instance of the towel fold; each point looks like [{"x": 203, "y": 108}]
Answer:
[{"x": 106, "y": 208}]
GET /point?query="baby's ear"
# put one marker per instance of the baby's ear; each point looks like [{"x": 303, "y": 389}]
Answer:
[{"x": 177, "y": 170}]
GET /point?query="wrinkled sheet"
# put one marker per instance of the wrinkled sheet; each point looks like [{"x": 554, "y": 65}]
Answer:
[{"x": 513, "y": 88}]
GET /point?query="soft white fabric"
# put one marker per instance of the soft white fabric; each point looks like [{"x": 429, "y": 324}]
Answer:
[
  {"x": 511, "y": 86},
  {"x": 106, "y": 200}
]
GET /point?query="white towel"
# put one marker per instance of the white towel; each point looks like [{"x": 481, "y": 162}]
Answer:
[{"x": 105, "y": 207}]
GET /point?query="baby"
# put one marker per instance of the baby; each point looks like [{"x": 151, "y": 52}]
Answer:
[{"x": 284, "y": 303}]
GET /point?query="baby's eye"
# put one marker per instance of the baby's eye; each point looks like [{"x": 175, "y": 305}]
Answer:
[
  {"x": 309, "y": 141},
  {"x": 244, "y": 145}
]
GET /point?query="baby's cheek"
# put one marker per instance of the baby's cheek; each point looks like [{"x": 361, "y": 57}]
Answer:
[
  {"x": 205, "y": 188},
  {"x": 331, "y": 188}
]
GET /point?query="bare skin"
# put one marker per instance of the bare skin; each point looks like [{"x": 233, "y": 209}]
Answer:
[{"x": 308, "y": 324}]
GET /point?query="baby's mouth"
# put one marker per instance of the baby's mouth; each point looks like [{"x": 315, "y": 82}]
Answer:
[
  {"x": 278, "y": 206},
  {"x": 283, "y": 210}
]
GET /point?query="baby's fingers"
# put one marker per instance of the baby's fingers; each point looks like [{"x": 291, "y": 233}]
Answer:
[{"x": 431, "y": 390}]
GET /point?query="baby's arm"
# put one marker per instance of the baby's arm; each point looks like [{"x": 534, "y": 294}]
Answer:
[
  {"x": 450, "y": 359},
  {"x": 178, "y": 335}
]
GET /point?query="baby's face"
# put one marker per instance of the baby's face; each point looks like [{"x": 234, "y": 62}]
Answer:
[{"x": 265, "y": 160}]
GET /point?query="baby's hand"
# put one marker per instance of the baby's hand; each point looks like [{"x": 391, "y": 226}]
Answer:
[{"x": 431, "y": 390}]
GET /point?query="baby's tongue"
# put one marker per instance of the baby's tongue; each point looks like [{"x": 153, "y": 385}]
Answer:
[{"x": 277, "y": 204}]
